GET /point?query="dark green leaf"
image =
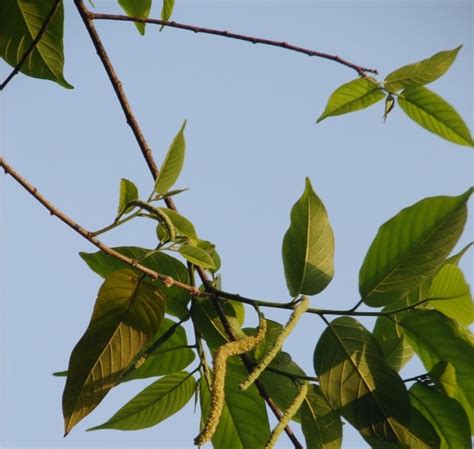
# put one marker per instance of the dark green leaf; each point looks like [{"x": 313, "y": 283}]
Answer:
[
  {"x": 308, "y": 246},
  {"x": 172, "y": 164},
  {"x": 352, "y": 96},
  {"x": 197, "y": 256},
  {"x": 154, "y": 404},
  {"x": 127, "y": 314},
  {"x": 137, "y": 8},
  {"x": 20, "y": 23},
  {"x": 128, "y": 192},
  {"x": 421, "y": 72},
  {"x": 181, "y": 224},
  {"x": 60, "y": 374},
  {"x": 410, "y": 247},
  {"x": 433, "y": 113}
]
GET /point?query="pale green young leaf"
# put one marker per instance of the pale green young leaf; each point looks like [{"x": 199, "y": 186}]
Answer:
[
  {"x": 154, "y": 404},
  {"x": 433, "y": 113},
  {"x": 173, "y": 163},
  {"x": 421, "y": 72},
  {"x": 445, "y": 414},
  {"x": 137, "y": 8},
  {"x": 410, "y": 247},
  {"x": 20, "y": 23},
  {"x": 308, "y": 246},
  {"x": 167, "y": 9},
  {"x": 182, "y": 225},
  {"x": 127, "y": 314},
  {"x": 352, "y": 96},
  {"x": 128, "y": 192},
  {"x": 197, "y": 256}
]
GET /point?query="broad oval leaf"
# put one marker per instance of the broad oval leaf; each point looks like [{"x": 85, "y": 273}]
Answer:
[
  {"x": 445, "y": 414},
  {"x": 20, "y": 23},
  {"x": 421, "y": 72},
  {"x": 182, "y": 225},
  {"x": 433, "y": 113},
  {"x": 176, "y": 298},
  {"x": 436, "y": 338},
  {"x": 308, "y": 246},
  {"x": 356, "y": 381},
  {"x": 321, "y": 425},
  {"x": 154, "y": 404},
  {"x": 410, "y": 247},
  {"x": 352, "y": 96},
  {"x": 128, "y": 192},
  {"x": 127, "y": 314},
  {"x": 197, "y": 256},
  {"x": 137, "y": 8},
  {"x": 173, "y": 163}
]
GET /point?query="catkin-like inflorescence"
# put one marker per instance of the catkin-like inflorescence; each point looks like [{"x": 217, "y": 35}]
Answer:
[
  {"x": 218, "y": 382},
  {"x": 298, "y": 311},
  {"x": 285, "y": 419}
]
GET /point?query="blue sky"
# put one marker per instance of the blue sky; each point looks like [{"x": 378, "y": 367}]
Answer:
[{"x": 251, "y": 141}]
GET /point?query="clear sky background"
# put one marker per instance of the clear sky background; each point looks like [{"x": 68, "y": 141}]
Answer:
[{"x": 251, "y": 140}]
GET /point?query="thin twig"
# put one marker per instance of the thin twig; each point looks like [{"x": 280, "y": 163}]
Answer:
[
  {"x": 242, "y": 37},
  {"x": 33, "y": 44}
]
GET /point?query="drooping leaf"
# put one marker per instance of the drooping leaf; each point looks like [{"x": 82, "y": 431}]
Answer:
[
  {"x": 421, "y": 72},
  {"x": 356, "y": 381},
  {"x": 128, "y": 192},
  {"x": 20, "y": 23},
  {"x": 154, "y": 404},
  {"x": 436, "y": 338},
  {"x": 181, "y": 224},
  {"x": 433, "y": 113},
  {"x": 452, "y": 294},
  {"x": 352, "y": 96},
  {"x": 209, "y": 247},
  {"x": 321, "y": 425},
  {"x": 410, "y": 247},
  {"x": 167, "y": 9},
  {"x": 127, "y": 314},
  {"x": 173, "y": 163},
  {"x": 137, "y": 8},
  {"x": 176, "y": 298},
  {"x": 308, "y": 246},
  {"x": 197, "y": 256}
]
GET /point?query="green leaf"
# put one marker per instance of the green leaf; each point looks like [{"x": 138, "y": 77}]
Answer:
[
  {"x": 127, "y": 314},
  {"x": 321, "y": 425},
  {"x": 452, "y": 293},
  {"x": 181, "y": 224},
  {"x": 60, "y": 374},
  {"x": 421, "y": 72},
  {"x": 454, "y": 259},
  {"x": 197, "y": 256},
  {"x": 20, "y": 23},
  {"x": 210, "y": 248},
  {"x": 410, "y": 247},
  {"x": 433, "y": 113},
  {"x": 154, "y": 404},
  {"x": 356, "y": 381},
  {"x": 137, "y": 8},
  {"x": 167, "y": 9},
  {"x": 172, "y": 164},
  {"x": 128, "y": 192},
  {"x": 445, "y": 414},
  {"x": 176, "y": 298},
  {"x": 308, "y": 246},
  {"x": 436, "y": 338},
  {"x": 352, "y": 96},
  {"x": 170, "y": 357}
]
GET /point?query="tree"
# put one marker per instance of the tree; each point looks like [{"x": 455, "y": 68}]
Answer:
[{"x": 373, "y": 399}]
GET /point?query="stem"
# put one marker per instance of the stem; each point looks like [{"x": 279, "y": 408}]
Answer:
[{"x": 115, "y": 224}]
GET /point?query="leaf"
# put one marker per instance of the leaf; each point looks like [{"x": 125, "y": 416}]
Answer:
[
  {"x": 20, "y": 23},
  {"x": 356, "y": 381},
  {"x": 210, "y": 248},
  {"x": 154, "y": 404},
  {"x": 170, "y": 357},
  {"x": 436, "y": 338},
  {"x": 452, "y": 293},
  {"x": 352, "y": 96},
  {"x": 176, "y": 298},
  {"x": 172, "y": 164},
  {"x": 433, "y": 113},
  {"x": 128, "y": 192},
  {"x": 421, "y": 72},
  {"x": 321, "y": 425},
  {"x": 167, "y": 9},
  {"x": 137, "y": 8},
  {"x": 445, "y": 414},
  {"x": 127, "y": 314},
  {"x": 308, "y": 246},
  {"x": 181, "y": 224},
  {"x": 410, "y": 247},
  {"x": 197, "y": 256},
  {"x": 454, "y": 259}
]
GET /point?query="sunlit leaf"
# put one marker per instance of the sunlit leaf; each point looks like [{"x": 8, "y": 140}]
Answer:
[
  {"x": 181, "y": 224},
  {"x": 167, "y": 9},
  {"x": 210, "y": 248},
  {"x": 137, "y": 8},
  {"x": 308, "y": 246},
  {"x": 434, "y": 114},
  {"x": 128, "y": 192},
  {"x": 197, "y": 256}
]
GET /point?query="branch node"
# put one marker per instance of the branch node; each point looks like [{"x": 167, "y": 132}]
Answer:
[{"x": 168, "y": 281}]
